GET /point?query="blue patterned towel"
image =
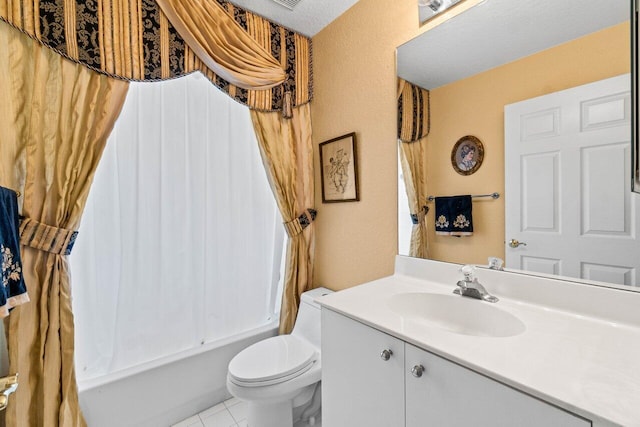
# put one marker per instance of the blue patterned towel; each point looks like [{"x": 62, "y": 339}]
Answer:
[
  {"x": 13, "y": 291},
  {"x": 453, "y": 216}
]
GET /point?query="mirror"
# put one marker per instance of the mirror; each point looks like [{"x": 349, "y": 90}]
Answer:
[
  {"x": 635, "y": 138},
  {"x": 504, "y": 52}
]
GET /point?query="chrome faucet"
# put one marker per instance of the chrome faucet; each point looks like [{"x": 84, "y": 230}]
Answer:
[{"x": 470, "y": 287}]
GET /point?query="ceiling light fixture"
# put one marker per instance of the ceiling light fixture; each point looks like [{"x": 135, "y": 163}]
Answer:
[
  {"x": 431, "y": 8},
  {"x": 431, "y": 4}
]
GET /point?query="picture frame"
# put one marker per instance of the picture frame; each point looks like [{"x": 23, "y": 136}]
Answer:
[
  {"x": 339, "y": 169},
  {"x": 467, "y": 155}
]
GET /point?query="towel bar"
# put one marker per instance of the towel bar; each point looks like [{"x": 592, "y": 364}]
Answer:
[{"x": 492, "y": 195}]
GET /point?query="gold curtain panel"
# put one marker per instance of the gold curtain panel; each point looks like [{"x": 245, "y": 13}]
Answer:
[
  {"x": 413, "y": 112},
  {"x": 134, "y": 40},
  {"x": 286, "y": 149},
  {"x": 53, "y": 131}
]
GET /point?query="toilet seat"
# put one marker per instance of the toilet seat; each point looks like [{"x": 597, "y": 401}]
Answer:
[{"x": 272, "y": 361}]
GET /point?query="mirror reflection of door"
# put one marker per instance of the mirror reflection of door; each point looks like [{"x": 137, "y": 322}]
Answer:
[{"x": 568, "y": 198}]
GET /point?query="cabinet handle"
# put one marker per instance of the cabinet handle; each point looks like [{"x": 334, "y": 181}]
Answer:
[
  {"x": 386, "y": 354},
  {"x": 417, "y": 371}
]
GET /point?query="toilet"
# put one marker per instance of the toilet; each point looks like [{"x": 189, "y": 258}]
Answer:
[{"x": 279, "y": 377}]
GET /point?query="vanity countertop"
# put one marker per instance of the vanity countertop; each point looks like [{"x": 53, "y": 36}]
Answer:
[{"x": 585, "y": 364}]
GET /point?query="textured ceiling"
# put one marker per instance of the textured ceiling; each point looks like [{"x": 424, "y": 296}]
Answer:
[
  {"x": 500, "y": 31},
  {"x": 308, "y": 17}
]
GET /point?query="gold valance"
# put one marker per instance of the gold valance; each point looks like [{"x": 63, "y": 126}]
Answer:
[
  {"x": 225, "y": 47},
  {"x": 134, "y": 40},
  {"x": 414, "y": 118}
]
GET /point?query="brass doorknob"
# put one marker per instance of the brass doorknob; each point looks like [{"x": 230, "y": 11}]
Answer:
[{"x": 514, "y": 243}]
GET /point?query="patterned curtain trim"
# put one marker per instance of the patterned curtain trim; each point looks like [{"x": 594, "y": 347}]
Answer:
[
  {"x": 46, "y": 237},
  {"x": 414, "y": 115},
  {"x": 297, "y": 225},
  {"x": 420, "y": 216},
  {"x": 133, "y": 40}
]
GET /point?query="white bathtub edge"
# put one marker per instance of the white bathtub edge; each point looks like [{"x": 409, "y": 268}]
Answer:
[{"x": 168, "y": 390}]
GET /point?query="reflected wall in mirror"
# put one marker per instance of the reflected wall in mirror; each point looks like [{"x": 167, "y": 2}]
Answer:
[{"x": 502, "y": 52}]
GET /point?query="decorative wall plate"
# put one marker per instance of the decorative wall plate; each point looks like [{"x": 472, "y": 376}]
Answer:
[{"x": 467, "y": 155}]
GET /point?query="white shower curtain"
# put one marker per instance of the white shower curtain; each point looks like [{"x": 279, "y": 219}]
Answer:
[{"x": 181, "y": 240}]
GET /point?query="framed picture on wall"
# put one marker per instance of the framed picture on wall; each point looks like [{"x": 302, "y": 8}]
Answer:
[
  {"x": 467, "y": 155},
  {"x": 339, "y": 169}
]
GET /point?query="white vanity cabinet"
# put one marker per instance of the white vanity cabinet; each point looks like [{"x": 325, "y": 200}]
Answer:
[
  {"x": 447, "y": 394},
  {"x": 361, "y": 386},
  {"x": 415, "y": 388}
]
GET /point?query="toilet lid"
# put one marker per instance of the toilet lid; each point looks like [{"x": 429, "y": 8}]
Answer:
[{"x": 273, "y": 359}]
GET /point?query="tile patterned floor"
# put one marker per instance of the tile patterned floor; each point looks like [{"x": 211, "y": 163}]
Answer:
[{"x": 230, "y": 413}]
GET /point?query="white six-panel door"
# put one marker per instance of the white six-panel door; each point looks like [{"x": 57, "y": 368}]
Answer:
[{"x": 568, "y": 184}]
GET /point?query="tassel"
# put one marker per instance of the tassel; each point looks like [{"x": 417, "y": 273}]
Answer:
[{"x": 287, "y": 105}]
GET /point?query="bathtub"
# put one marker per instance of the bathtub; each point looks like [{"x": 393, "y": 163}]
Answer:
[{"x": 167, "y": 390}]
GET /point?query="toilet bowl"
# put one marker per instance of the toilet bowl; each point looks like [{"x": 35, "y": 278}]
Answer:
[{"x": 279, "y": 377}]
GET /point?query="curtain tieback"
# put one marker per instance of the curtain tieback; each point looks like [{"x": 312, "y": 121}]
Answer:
[
  {"x": 297, "y": 225},
  {"x": 46, "y": 237},
  {"x": 420, "y": 216}
]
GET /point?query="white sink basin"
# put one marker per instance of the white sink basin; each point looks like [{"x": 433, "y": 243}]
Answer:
[{"x": 461, "y": 315}]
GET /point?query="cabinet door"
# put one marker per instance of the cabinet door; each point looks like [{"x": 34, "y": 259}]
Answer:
[
  {"x": 449, "y": 395},
  {"x": 359, "y": 387}
]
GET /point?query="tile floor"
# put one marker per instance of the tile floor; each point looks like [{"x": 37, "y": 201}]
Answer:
[{"x": 230, "y": 413}]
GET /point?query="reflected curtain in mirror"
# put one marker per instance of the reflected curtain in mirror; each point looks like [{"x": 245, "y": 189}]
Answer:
[
  {"x": 54, "y": 124},
  {"x": 413, "y": 128}
]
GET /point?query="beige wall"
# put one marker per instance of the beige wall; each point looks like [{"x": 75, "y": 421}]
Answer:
[
  {"x": 355, "y": 91},
  {"x": 474, "y": 106}
]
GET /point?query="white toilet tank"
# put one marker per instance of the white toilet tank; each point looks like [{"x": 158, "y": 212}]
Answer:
[{"x": 307, "y": 324}]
